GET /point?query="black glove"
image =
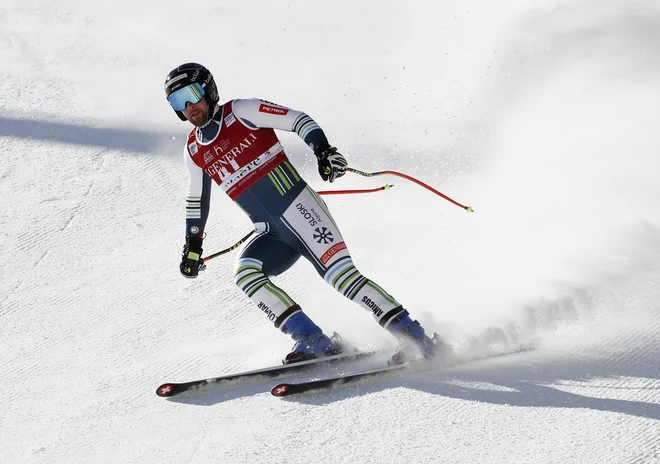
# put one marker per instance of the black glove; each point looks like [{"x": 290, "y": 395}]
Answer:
[
  {"x": 332, "y": 164},
  {"x": 191, "y": 260}
]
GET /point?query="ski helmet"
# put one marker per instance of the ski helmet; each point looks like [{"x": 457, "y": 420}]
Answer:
[{"x": 190, "y": 73}]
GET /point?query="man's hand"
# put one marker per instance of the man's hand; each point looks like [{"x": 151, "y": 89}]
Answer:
[
  {"x": 332, "y": 164},
  {"x": 191, "y": 260}
]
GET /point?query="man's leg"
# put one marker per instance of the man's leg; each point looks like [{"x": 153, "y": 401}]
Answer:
[
  {"x": 309, "y": 227},
  {"x": 265, "y": 256}
]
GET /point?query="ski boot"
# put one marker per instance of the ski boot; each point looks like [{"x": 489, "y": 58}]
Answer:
[
  {"x": 412, "y": 339},
  {"x": 311, "y": 342},
  {"x": 342, "y": 345}
]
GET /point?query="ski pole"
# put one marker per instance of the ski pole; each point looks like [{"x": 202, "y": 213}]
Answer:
[
  {"x": 418, "y": 182},
  {"x": 231, "y": 248},
  {"x": 325, "y": 192},
  {"x": 345, "y": 192}
]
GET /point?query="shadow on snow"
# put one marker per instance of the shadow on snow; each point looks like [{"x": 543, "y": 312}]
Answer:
[{"x": 120, "y": 139}]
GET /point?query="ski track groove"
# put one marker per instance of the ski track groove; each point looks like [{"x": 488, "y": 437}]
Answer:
[
  {"x": 10, "y": 308},
  {"x": 649, "y": 447},
  {"x": 17, "y": 286},
  {"x": 652, "y": 454},
  {"x": 35, "y": 238},
  {"x": 8, "y": 165}
]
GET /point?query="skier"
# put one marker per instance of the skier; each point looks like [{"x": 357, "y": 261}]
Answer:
[{"x": 235, "y": 145}]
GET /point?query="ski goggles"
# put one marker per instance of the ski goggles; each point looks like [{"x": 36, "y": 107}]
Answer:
[{"x": 192, "y": 93}]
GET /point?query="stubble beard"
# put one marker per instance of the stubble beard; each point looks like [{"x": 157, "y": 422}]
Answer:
[{"x": 198, "y": 118}]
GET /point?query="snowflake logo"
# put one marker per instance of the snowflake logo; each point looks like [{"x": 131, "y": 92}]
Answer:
[{"x": 323, "y": 235}]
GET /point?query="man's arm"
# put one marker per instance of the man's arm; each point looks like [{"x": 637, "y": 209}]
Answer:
[
  {"x": 197, "y": 211},
  {"x": 198, "y": 197},
  {"x": 261, "y": 114}
]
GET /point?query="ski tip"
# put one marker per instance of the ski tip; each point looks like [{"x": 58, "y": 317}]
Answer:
[
  {"x": 280, "y": 390},
  {"x": 165, "y": 390}
]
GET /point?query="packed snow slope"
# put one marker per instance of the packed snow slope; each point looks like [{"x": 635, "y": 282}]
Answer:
[{"x": 543, "y": 116}]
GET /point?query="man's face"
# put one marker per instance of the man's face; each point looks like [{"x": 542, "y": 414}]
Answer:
[{"x": 197, "y": 113}]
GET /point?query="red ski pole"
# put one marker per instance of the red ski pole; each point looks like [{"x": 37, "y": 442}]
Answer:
[
  {"x": 418, "y": 182},
  {"x": 347, "y": 192}
]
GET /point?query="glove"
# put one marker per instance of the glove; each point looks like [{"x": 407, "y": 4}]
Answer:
[
  {"x": 191, "y": 260},
  {"x": 332, "y": 164}
]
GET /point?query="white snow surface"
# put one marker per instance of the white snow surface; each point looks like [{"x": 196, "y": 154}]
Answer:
[{"x": 543, "y": 116}]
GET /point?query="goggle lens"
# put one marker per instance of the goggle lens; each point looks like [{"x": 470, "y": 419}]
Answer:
[{"x": 192, "y": 93}]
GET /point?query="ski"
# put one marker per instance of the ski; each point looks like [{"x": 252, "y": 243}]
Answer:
[
  {"x": 170, "y": 389},
  {"x": 286, "y": 389}
]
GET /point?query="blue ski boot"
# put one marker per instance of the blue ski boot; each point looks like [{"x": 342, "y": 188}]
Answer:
[
  {"x": 311, "y": 342},
  {"x": 412, "y": 339}
]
